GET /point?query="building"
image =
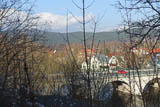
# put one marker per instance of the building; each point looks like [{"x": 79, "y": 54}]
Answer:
[
  {"x": 113, "y": 62},
  {"x": 90, "y": 52},
  {"x": 97, "y": 62}
]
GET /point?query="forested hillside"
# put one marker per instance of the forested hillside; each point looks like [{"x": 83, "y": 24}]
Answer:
[{"x": 61, "y": 38}]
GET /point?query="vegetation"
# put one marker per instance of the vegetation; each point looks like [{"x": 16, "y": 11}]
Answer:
[
  {"x": 77, "y": 37},
  {"x": 30, "y": 70}
]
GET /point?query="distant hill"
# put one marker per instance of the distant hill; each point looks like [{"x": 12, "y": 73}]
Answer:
[{"x": 77, "y": 37}]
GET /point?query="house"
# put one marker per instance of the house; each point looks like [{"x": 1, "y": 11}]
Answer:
[
  {"x": 119, "y": 58},
  {"x": 51, "y": 52},
  {"x": 90, "y": 52},
  {"x": 155, "y": 51},
  {"x": 81, "y": 54},
  {"x": 145, "y": 51},
  {"x": 113, "y": 62},
  {"x": 115, "y": 54},
  {"x": 141, "y": 51},
  {"x": 97, "y": 62}
]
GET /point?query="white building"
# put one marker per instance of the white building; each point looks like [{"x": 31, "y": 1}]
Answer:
[
  {"x": 113, "y": 62},
  {"x": 97, "y": 62}
]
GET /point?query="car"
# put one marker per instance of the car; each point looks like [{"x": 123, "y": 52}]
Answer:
[{"x": 121, "y": 72}]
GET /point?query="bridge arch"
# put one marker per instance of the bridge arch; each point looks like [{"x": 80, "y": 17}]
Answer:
[
  {"x": 121, "y": 93},
  {"x": 115, "y": 91},
  {"x": 151, "y": 91}
]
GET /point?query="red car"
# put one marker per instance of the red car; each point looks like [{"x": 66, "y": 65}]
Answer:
[{"x": 121, "y": 72}]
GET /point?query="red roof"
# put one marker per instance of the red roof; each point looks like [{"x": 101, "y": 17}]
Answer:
[
  {"x": 114, "y": 54},
  {"x": 156, "y": 50},
  {"x": 88, "y": 50}
]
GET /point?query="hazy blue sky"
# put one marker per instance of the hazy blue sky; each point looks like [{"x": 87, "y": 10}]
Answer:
[{"x": 56, "y": 9}]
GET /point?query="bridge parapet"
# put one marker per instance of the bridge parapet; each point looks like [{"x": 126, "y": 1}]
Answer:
[{"x": 137, "y": 79}]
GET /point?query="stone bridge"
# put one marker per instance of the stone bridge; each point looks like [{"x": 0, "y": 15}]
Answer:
[
  {"x": 138, "y": 80},
  {"x": 141, "y": 87}
]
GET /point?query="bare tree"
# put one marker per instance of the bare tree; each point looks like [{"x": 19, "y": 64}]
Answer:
[
  {"x": 18, "y": 31},
  {"x": 91, "y": 84},
  {"x": 141, "y": 24}
]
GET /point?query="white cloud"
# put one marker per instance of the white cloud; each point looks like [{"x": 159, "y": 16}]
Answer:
[
  {"x": 56, "y": 22},
  {"x": 107, "y": 29},
  {"x": 12, "y": 18},
  {"x": 46, "y": 21}
]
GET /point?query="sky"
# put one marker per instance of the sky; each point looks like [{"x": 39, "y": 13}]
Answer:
[{"x": 53, "y": 14}]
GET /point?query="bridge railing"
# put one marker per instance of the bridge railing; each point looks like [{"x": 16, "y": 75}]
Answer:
[{"x": 111, "y": 74}]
